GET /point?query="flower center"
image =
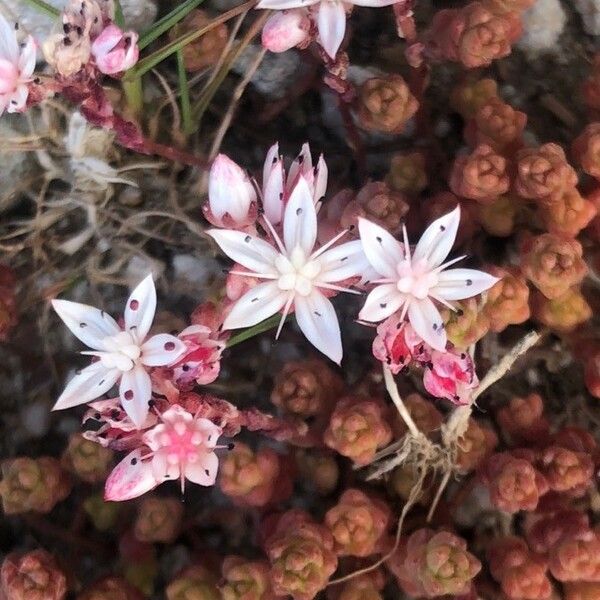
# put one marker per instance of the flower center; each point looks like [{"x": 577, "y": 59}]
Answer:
[
  {"x": 415, "y": 279},
  {"x": 122, "y": 351},
  {"x": 181, "y": 443},
  {"x": 296, "y": 272}
]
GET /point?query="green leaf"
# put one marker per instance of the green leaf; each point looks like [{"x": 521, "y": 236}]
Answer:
[
  {"x": 265, "y": 325},
  {"x": 44, "y": 7},
  {"x": 184, "y": 93}
]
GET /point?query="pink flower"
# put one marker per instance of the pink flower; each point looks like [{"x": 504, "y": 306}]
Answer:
[
  {"x": 181, "y": 447},
  {"x": 285, "y": 30},
  {"x": 16, "y": 68},
  {"x": 450, "y": 376},
  {"x": 115, "y": 51},
  {"x": 397, "y": 344},
  {"x": 231, "y": 195}
]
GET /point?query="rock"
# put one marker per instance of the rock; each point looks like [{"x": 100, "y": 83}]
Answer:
[
  {"x": 139, "y": 15},
  {"x": 590, "y": 15},
  {"x": 543, "y": 24},
  {"x": 16, "y": 166}
]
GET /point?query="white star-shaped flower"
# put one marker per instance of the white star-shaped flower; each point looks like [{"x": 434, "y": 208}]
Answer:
[
  {"x": 17, "y": 64},
  {"x": 411, "y": 283},
  {"x": 295, "y": 273},
  {"x": 331, "y": 17},
  {"x": 124, "y": 355}
]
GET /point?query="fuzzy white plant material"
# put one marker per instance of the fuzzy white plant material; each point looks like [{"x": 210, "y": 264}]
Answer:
[
  {"x": 543, "y": 24},
  {"x": 590, "y": 15}
]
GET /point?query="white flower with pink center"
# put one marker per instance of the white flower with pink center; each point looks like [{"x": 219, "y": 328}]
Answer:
[
  {"x": 17, "y": 63},
  {"x": 410, "y": 283},
  {"x": 180, "y": 447},
  {"x": 123, "y": 355}
]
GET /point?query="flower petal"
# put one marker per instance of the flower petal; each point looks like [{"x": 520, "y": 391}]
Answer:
[
  {"x": 87, "y": 385},
  {"x": 27, "y": 58},
  {"x": 284, "y": 4},
  {"x": 135, "y": 391},
  {"x": 382, "y": 250},
  {"x": 273, "y": 200},
  {"x": 382, "y": 302},
  {"x": 457, "y": 284},
  {"x": 204, "y": 471},
  {"x": 428, "y": 323},
  {"x": 162, "y": 349},
  {"x": 301, "y": 167},
  {"x": 247, "y": 250},
  {"x": 91, "y": 325},
  {"x": 331, "y": 23},
  {"x": 256, "y": 305},
  {"x": 343, "y": 261},
  {"x": 300, "y": 219},
  {"x": 140, "y": 309},
  {"x": 373, "y": 3},
  {"x": 437, "y": 240},
  {"x": 131, "y": 478},
  {"x": 321, "y": 176},
  {"x": 318, "y": 321},
  {"x": 162, "y": 469},
  {"x": 9, "y": 46}
]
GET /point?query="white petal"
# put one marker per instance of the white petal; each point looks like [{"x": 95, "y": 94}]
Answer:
[
  {"x": 247, "y": 250},
  {"x": 300, "y": 219},
  {"x": 427, "y": 323},
  {"x": 162, "y": 469},
  {"x": 270, "y": 160},
  {"x": 273, "y": 194},
  {"x": 229, "y": 189},
  {"x": 162, "y": 349},
  {"x": 89, "y": 384},
  {"x": 256, "y": 305},
  {"x": 91, "y": 325},
  {"x": 27, "y": 58},
  {"x": 131, "y": 478},
  {"x": 320, "y": 180},
  {"x": 457, "y": 284},
  {"x": 135, "y": 392},
  {"x": 140, "y": 309},
  {"x": 373, "y": 3},
  {"x": 343, "y": 261},
  {"x": 382, "y": 302},
  {"x": 204, "y": 471},
  {"x": 284, "y": 4},
  {"x": 301, "y": 166},
  {"x": 331, "y": 23},
  {"x": 318, "y": 321},
  {"x": 382, "y": 250},
  {"x": 9, "y": 46},
  {"x": 18, "y": 99},
  {"x": 437, "y": 240}
]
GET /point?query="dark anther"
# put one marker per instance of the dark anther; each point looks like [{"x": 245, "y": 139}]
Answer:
[
  {"x": 230, "y": 446},
  {"x": 82, "y": 325},
  {"x": 318, "y": 313},
  {"x": 383, "y": 304},
  {"x": 460, "y": 312},
  {"x": 442, "y": 228},
  {"x": 463, "y": 355},
  {"x": 469, "y": 282},
  {"x": 248, "y": 239},
  {"x": 379, "y": 240},
  {"x": 134, "y": 461},
  {"x": 66, "y": 41},
  {"x": 298, "y": 211}
]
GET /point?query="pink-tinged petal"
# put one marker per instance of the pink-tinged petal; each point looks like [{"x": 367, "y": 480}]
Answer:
[
  {"x": 135, "y": 391},
  {"x": 343, "y": 261},
  {"x": 9, "y": 45},
  {"x": 437, "y": 240},
  {"x": 9, "y": 76},
  {"x": 140, "y": 309},
  {"x": 382, "y": 250},
  {"x": 300, "y": 219},
  {"x": 107, "y": 40},
  {"x": 210, "y": 431},
  {"x": 27, "y": 58},
  {"x": 382, "y": 302},
  {"x": 229, "y": 190},
  {"x": 247, "y": 250},
  {"x": 204, "y": 470},
  {"x": 162, "y": 349},
  {"x": 284, "y": 4},
  {"x": 256, "y": 305},
  {"x": 162, "y": 469},
  {"x": 427, "y": 322},
  {"x": 331, "y": 23},
  {"x": 90, "y": 325},
  {"x": 18, "y": 99},
  {"x": 273, "y": 199},
  {"x": 87, "y": 385},
  {"x": 318, "y": 321},
  {"x": 301, "y": 167},
  {"x": 131, "y": 478},
  {"x": 175, "y": 414},
  {"x": 373, "y": 3},
  {"x": 320, "y": 180},
  {"x": 285, "y": 30},
  {"x": 271, "y": 160},
  {"x": 457, "y": 284}
]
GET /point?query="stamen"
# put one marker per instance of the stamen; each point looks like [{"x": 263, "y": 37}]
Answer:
[{"x": 328, "y": 245}]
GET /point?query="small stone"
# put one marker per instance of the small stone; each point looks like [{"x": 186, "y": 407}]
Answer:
[{"x": 543, "y": 24}]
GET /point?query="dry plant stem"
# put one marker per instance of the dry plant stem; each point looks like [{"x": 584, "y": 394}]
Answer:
[
  {"x": 392, "y": 389},
  {"x": 235, "y": 98},
  {"x": 412, "y": 498},
  {"x": 438, "y": 495}
]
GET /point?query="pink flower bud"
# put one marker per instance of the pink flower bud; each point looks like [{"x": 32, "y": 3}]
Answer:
[
  {"x": 114, "y": 50},
  {"x": 285, "y": 29},
  {"x": 231, "y": 195}
]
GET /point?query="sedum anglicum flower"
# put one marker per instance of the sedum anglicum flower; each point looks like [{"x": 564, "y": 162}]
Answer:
[
  {"x": 295, "y": 273},
  {"x": 411, "y": 283},
  {"x": 330, "y": 16},
  {"x": 123, "y": 355},
  {"x": 17, "y": 63},
  {"x": 182, "y": 446}
]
